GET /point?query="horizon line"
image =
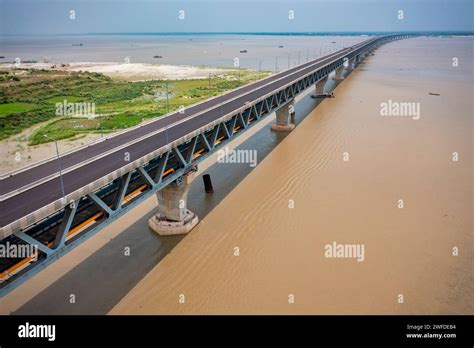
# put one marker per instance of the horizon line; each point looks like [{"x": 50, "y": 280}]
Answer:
[{"x": 274, "y": 33}]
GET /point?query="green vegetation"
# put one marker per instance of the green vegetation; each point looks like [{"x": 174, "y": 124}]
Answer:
[
  {"x": 8, "y": 76},
  {"x": 118, "y": 104},
  {"x": 12, "y": 108},
  {"x": 62, "y": 98}
]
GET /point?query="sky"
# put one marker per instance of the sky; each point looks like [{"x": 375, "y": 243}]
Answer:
[{"x": 38, "y": 17}]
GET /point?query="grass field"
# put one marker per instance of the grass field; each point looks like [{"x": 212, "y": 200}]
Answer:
[
  {"x": 13, "y": 108},
  {"x": 33, "y": 98}
]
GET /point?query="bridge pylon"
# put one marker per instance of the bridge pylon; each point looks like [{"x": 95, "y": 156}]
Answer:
[{"x": 173, "y": 216}]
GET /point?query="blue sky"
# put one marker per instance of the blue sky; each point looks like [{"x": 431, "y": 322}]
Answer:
[{"x": 113, "y": 16}]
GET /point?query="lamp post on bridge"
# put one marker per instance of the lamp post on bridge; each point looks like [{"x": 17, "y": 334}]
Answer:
[
  {"x": 59, "y": 164},
  {"x": 167, "y": 98},
  {"x": 167, "y": 111},
  {"x": 100, "y": 126}
]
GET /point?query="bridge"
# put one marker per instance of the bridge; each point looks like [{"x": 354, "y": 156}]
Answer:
[{"x": 57, "y": 203}]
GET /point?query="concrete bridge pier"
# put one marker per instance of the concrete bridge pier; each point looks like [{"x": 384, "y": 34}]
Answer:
[
  {"x": 339, "y": 73},
  {"x": 351, "y": 64},
  {"x": 285, "y": 118},
  {"x": 173, "y": 216},
  {"x": 319, "y": 86}
]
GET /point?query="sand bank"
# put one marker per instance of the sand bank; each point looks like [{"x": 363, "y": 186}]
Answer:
[{"x": 130, "y": 71}]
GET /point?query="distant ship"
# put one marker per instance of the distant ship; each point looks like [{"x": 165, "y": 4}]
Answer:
[
  {"x": 243, "y": 51},
  {"x": 281, "y": 46},
  {"x": 157, "y": 56},
  {"x": 80, "y": 44}
]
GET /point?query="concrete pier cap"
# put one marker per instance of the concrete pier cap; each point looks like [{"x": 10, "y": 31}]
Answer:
[
  {"x": 285, "y": 118},
  {"x": 173, "y": 217}
]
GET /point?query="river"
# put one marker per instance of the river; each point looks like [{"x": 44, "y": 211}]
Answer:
[{"x": 399, "y": 186}]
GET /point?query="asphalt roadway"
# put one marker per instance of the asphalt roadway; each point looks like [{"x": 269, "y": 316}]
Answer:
[{"x": 32, "y": 199}]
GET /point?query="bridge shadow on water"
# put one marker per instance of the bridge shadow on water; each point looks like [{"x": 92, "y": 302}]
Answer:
[{"x": 107, "y": 275}]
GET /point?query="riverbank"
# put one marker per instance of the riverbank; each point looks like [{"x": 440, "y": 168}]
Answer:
[
  {"x": 282, "y": 224},
  {"x": 36, "y": 102}
]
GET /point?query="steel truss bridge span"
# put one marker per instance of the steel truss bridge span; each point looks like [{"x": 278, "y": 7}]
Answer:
[{"x": 104, "y": 180}]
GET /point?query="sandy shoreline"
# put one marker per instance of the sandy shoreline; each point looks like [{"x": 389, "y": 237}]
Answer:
[
  {"x": 409, "y": 251},
  {"x": 129, "y": 71}
]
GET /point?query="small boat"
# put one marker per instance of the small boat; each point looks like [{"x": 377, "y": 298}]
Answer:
[
  {"x": 157, "y": 56},
  {"x": 431, "y": 93},
  {"x": 80, "y": 44},
  {"x": 243, "y": 51},
  {"x": 324, "y": 95},
  {"x": 2, "y": 57},
  {"x": 281, "y": 46}
]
